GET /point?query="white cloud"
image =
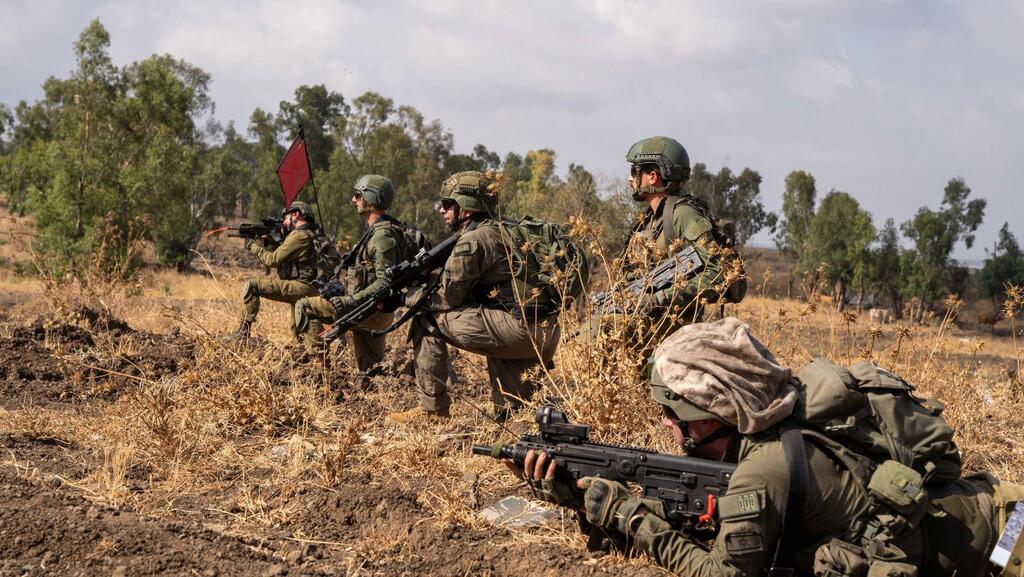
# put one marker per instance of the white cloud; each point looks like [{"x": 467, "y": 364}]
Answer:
[{"x": 884, "y": 99}]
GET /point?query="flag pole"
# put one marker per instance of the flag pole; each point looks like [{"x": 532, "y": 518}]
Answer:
[{"x": 316, "y": 197}]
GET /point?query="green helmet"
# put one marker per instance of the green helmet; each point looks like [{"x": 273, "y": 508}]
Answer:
[
  {"x": 670, "y": 156},
  {"x": 683, "y": 409},
  {"x": 304, "y": 210},
  {"x": 471, "y": 190},
  {"x": 376, "y": 190}
]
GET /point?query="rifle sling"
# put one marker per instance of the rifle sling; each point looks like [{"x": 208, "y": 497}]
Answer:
[
  {"x": 667, "y": 225},
  {"x": 796, "y": 503},
  {"x": 349, "y": 258},
  {"x": 414, "y": 309}
]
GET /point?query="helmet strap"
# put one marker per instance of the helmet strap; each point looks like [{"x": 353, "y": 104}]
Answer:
[{"x": 690, "y": 445}]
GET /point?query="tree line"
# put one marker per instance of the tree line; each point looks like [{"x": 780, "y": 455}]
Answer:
[{"x": 135, "y": 150}]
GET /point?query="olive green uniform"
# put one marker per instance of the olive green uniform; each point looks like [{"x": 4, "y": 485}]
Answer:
[
  {"x": 384, "y": 247},
  {"x": 692, "y": 226},
  {"x": 295, "y": 261},
  {"x": 753, "y": 507},
  {"x": 475, "y": 310}
]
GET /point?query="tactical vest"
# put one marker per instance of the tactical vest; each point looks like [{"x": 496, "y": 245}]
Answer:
[
  {"x": 303, "y": 267},
  {"x": 358, "y": 272}
]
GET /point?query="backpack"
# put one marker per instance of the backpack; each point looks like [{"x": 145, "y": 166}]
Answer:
[
  {"x": 325, "y": 255},
  {"x": 415, "y": 240},
  {"x": 549, "y": 269},
  {"x": 723, "y": 233},
  {"x": 876, "y": 414}
]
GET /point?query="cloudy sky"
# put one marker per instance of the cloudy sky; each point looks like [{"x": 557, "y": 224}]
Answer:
[{"x": 884, "y": 99}]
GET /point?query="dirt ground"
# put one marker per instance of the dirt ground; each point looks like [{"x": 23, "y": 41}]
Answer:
[{"x": 54, "y": 519}]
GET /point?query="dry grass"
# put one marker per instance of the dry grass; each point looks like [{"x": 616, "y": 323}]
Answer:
[{"x": 234, "y": 432}]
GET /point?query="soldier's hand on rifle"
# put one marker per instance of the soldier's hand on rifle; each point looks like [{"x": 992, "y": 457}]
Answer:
[
  {"x": 609, "y": 504},
  {"x": 249, "y": 241},
  {"x": 342, "y": 304},
  {"x": 539, "y": 472}
]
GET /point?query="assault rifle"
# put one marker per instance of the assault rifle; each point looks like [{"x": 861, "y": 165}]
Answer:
[
  {"x": 400, "y": 276},
  {"x": 685, "y": 263},
  {"x": 272, "y": 229},
  {"x": 688, "y": 487}
]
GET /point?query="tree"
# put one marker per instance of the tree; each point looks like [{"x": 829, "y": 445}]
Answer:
[
  {"x": 885, "y": 274},
  {"x": 107, "y": 149},
  {"x": 318, "y": 111},
  {"x": 840, "y": 234},
  {"x": 733, "y": 197},
  {"x": 933, "y": 273},
  {"x": 1003, "y": 266}
]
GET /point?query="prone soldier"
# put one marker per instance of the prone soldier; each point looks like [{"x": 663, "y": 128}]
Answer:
[
  {"x": 475, "y": 308},
  {"x": 295, "y": 260},
  {"x": 363, "y": 270},
  {"x": 798, "y": 502}
]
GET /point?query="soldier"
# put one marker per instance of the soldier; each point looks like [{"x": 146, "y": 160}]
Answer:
[
  {"x": 475, "y": 309},
  {"x": 382, "y": 246},
  {"x": 795, "y": 501},
  {"x": 295, "y": 260},
  {"x": 659, "y": 169}
]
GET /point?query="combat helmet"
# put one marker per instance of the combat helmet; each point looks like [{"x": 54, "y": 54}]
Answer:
[
  {"x": 376, "y": 190},
  {"x": 304, "y": 210},
  {"x": 670, "y": 157},
  {"x": 472, "y": 191}
]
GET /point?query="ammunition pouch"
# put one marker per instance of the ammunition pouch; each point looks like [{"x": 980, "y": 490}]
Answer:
[{"x": 840, "y": 559}]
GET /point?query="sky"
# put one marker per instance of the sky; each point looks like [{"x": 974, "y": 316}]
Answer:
[{"x": 883, "y": 99}]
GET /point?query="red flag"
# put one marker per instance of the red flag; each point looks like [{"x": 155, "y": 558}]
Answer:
[{"x": 293, "y": 172}]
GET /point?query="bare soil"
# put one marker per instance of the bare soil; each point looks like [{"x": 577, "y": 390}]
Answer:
[{"x": 51, "y": 523}]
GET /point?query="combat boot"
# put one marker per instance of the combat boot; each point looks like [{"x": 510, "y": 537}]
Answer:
[
  {"x": 242, "y": 334},
  {"x": 416, "y": 414}
]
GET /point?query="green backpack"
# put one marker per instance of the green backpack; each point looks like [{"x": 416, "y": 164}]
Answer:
[
  {"x": 549, "y": 269},
  {"x": 875, "y": 413}
]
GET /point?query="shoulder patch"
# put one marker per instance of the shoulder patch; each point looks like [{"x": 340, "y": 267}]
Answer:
[
  {"x": 744, "y": 541},
  {"x": 465, "y": 248},
  {"x": 745, "y": 505}
]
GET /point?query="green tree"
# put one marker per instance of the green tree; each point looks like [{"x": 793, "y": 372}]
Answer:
[
  {"x": 734, "y": 197},
  {"x": 318, "y": 111},
  {"x": 1003, "y": 266},
  {"x": 932, "y": 273},
  {"x": 840, "y": 234},
  {"x": 263, "y": 197},
  {"x": 885, "y": 266},
  {"x": 107, "y": 149}
]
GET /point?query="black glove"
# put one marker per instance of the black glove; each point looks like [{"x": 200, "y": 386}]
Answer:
[{"x": 341, "y": 304}]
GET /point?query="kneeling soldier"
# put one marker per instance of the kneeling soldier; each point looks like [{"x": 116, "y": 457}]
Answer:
[
  {"x": 362, "y": 272},
  {"x": 294, "y": 259},
  {"x": 475, "y": 308}
]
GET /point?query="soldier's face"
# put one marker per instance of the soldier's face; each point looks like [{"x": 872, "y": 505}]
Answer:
[
  {"x": 361, "y": 205},
  {"x": 449, "y": 210},
  {"x": 639, "y": 177}
]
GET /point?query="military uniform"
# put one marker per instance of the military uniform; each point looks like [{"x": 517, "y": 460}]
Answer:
[
  {"x": 295, "y": 261},
  {"x": 475, "y": 310},
  {"x": 383, "y": 247},
  {"x": 648, "y": 246}
]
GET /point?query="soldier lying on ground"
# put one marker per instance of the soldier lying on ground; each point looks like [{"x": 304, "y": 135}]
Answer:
[{"x": 797, "y": 499}]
